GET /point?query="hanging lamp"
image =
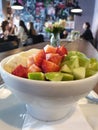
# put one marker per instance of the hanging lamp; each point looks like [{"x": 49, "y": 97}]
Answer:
[
  {"x": 76, "y": 8},
  {"x": 17, "y": 6}
]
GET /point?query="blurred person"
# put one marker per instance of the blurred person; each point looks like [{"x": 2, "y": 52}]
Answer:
[
  {"x": 31, "y": 29},
  {"x": 5, "y": 29},
  {"x": 8, "y": 31},
  {"x": 11, "y": 28},
  {"x": 36, "y": 38},
  {"x": 96, "y": 39},
  {"x": 22, "y": 33},
  {"x": 87, "y": 34},
  {"x": 63, "y": 34}
]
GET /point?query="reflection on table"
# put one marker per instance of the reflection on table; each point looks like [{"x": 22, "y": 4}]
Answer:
[{"x": 12, "y": 113}]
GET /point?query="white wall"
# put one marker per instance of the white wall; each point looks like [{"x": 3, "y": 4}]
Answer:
[
  {"x": 95, "y": 18},
  {"x": 87, "y": 15}
]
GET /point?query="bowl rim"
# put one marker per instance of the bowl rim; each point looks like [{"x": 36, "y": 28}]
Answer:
[{"x": 2, "y": 62}]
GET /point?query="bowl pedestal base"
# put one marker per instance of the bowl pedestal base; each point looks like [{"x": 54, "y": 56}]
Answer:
[{"x": 50, "y": 114}]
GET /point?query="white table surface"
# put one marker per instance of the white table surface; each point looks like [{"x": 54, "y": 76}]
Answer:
[{"x": 12, "y": 111}]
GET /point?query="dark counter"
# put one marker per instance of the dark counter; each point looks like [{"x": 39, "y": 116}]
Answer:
[{"x": 80, "y": 45}]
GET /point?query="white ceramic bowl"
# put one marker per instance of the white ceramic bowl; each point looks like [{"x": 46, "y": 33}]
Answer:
[{"x": 47, "y": 100}]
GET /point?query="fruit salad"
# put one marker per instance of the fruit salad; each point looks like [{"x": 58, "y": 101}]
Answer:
[{"x": 52, "y": 64}]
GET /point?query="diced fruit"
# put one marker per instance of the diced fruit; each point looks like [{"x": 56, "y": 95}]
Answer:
[
  {"x": 73, "y": 62},
  {"x": 50, "y": 49},
  {"x": 54, "y": 76},
  {"x": 90, "y": 72},
  {"x": 79, "y": 73},
  {"x": 65, "y": 68},
  {"x": 93, "y": 64},
  {"x": 54, "y": 57},
  {"x": 56, "y": 64},
  {"x": 83, "y": 61},
  {"x": 48, "y": 66},
  {"x": 34, "y": 68},
  {"x": 37, "y": 58},
  {"x": 36, "y": 76},
  {"x": 79, "y": 54},
  {"x": 62, "y": 50},
  {"x": 20, "y": 71},
  {"x": 67, "y": 77},
  {"x": 30, "y": 61}
]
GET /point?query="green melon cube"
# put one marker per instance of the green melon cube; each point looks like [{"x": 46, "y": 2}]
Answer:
[
  {"x": 67, "y": 77},
  {"x": 79, "y": 73},
  {"x": 36, "y": 76},
  {"x": 65, "y": 68},
  {"x": 54, "y": 76}
]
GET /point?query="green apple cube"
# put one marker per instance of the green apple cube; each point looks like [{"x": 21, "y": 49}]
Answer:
[
  {"x": 54, "y": 76},
  {"x": 80, "y": 54},
  {"x": 71, "y": 53},
  {"x": 90, "y": 72},
  {"x": 79, "y": 73},
  {"x": 93, "y": 60},
  {"x": 93, "y": 64},
  {"x": 76, "y": 53},
  {"x": 84, "y": 62},
  {"x": 67, "y": 77},
  {"x": 36, "y": 76},
  {"x": 65, "y": 68},
  {"x": 73, "y": 62}
]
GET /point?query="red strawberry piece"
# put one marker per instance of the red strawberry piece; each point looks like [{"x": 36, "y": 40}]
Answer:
[
  {"x": 48, "y": 66},
  {"x": 50, "y": 49},
  {"x": 54, "y": 57},
  {"x": 36, "y": 59},
  {"x": 62, "y": 50},
  {"x": 34, "y": 68},
  {"x": 20, "y": 71}
]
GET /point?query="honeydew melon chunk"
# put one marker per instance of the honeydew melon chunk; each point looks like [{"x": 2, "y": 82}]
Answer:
[
  {"x": 90, "y": 72},
  {"x": 84, "y": 61},
  {"x": 67, "y": 77},
  {"x": 65, "y": 68},
  {"x": 36, "y": 76},
  {"x": 93, "y": 64},
  {"x": 79, "y": 73},
  {"x": 80, "y": 54},
  {"x": 54, "y": 76},
  {"x": 73, "y": 62},
  {"x": 74, "y": 53}
]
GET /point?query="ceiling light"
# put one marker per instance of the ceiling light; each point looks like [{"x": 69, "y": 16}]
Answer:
[
  {"x": 17, "y": 6},
  {"x": 76, "y": 8}
]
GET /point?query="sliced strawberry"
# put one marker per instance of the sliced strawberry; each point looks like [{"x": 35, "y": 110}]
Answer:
[
  {"x": 62, "y": 50},
  {"x": 50, "y": 49},
  {"x": 34, "y": 68},
  {"x": 48, "y": 66},
  {"x": 36, "y": 59},
  {"x": 54, "y": 57},
  {"x": 20, "y": 71}
]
